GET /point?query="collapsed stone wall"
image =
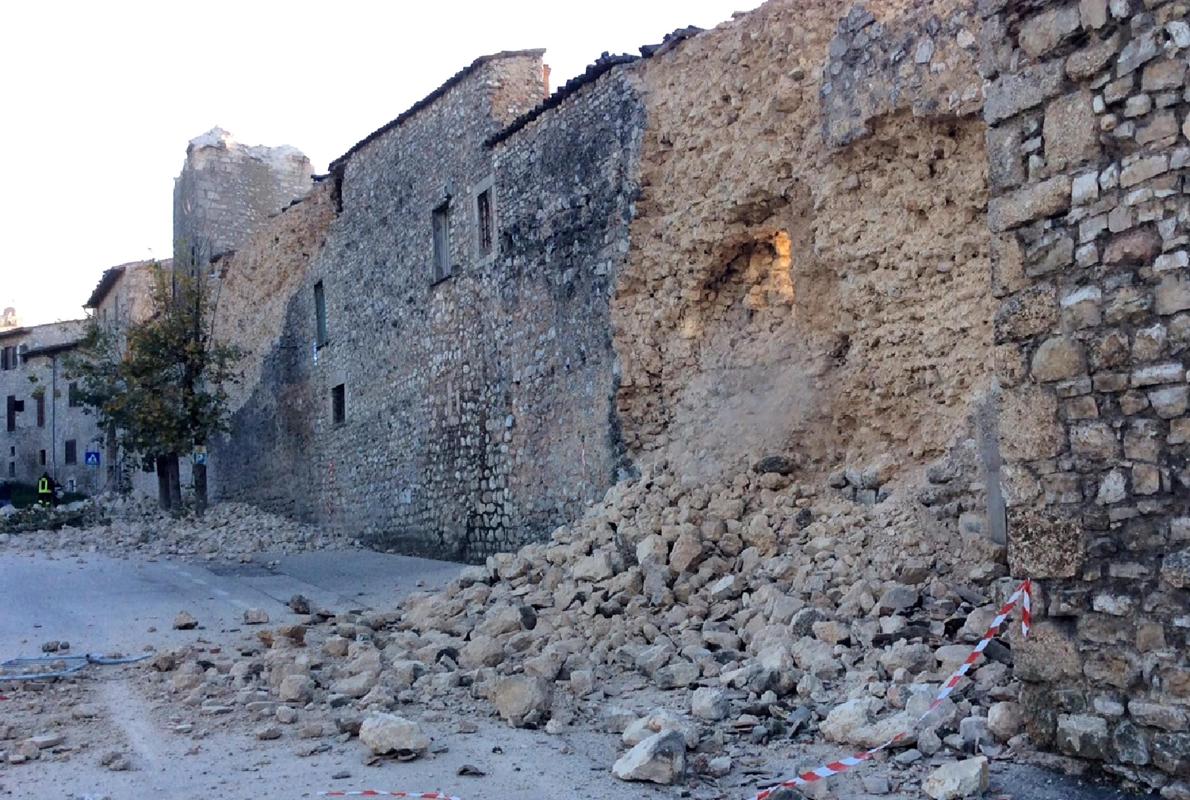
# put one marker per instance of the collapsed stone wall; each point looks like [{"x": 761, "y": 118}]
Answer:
[
  {"x": 1088, "y": 158},
  {"x": 804, "y": 280}
]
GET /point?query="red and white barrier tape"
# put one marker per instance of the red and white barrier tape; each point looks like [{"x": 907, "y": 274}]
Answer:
[
  {"x": 1024, "y": 595},
  {"x": 381, "y": 793}
]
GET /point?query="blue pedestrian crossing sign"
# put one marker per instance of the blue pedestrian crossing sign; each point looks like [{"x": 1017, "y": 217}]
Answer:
[{"x": 91, "y": 458}]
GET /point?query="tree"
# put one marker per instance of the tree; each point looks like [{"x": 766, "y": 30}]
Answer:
[{"x": 160, "y": 385}]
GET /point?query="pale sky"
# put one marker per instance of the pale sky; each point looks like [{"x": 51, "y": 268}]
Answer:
[{"x": 100, "y": 99}]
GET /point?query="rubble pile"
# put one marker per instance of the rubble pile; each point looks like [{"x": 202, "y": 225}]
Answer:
[
  {"x": 701, "y": 623},
  {"x": 129, "y": 524}
]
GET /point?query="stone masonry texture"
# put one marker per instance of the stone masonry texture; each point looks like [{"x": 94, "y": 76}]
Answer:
[{"x": 929, "y": 247}]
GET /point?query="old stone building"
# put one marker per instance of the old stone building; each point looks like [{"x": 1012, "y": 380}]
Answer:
[
  {"x": 46, "y": 428},
  {"x": 935, "y": 249}
]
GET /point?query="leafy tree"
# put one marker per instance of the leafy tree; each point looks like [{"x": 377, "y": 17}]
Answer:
[{"x": 160, "y": 385}]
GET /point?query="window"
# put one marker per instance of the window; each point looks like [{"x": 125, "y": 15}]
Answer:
[
  {"x": 41, "y": 410},
  {"x": 72, "y": 451},
  {"x": 41, "y": 457},
  {"x": 320, "y": 314},
  {"x": 12, "y": 451},
  {"x": 441, "y": 225},
  {"x": 8, "y": 358},
  {"x": 76, "y": 399},
  {"x": 483, "y": 220},
  {"x": 12, "y": 469},
  {"x": 11, "y": 414},
  {"x": 339, "y": 404}
]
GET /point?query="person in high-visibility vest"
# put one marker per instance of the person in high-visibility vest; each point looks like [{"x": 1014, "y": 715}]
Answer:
[{"x": 45, "y": 490}]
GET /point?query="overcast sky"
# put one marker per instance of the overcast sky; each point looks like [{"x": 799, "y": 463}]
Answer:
[{"x": 101, "y": 98}]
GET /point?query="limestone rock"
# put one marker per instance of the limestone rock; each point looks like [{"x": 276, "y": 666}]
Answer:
[
  {"x": 388, "y": 733},
  {"x": 184, "y": 621},
  {"x": 521, "y": 700},
  {"x": 958, "y": 779},
  {"x": 661, "y": 758},
  {"x": 256, "y": 616}
]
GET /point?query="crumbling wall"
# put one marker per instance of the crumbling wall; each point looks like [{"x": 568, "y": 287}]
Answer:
[
  {"x": 227, "y": 191},
  {"x": 793, "y": 288},
  {"x": 1088, "y": 157}
]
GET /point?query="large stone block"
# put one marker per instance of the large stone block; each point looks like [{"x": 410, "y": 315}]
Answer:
[
  {"x": 1045, "y": 31},
  {"x": 1012, "y": 93},
  {"x": 1029, "y": 428},
  {"x": 1175, "y": 568},
  {"x": 1071, "y": 131},
  {"x": 1033, "y": 202},
  {"x": 1042, "y": 545},
  {"x": 1059, "y": 358},
  {"x": 1082, "y": 735},
  {"x": 1171, "y": 753},
  {"x": 1027, "y": 313}
]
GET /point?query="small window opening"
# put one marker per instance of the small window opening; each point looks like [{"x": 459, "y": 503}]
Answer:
[
  {"x": 12, "y": 469},
  {"x": 441, "y": 226},
  {"x": 41, "y": 410},
  {"x": 41, "y": 457},
  {"x": 320, "y": 313},
  {"x": 71, "y": 451},
  {"x": 483, "y": 214},
  {"x": 339, "y": 404},
  {"x": 76, "y": 399}
]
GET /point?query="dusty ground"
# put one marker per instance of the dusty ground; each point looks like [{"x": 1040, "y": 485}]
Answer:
[{"x": 127, "y": 603}]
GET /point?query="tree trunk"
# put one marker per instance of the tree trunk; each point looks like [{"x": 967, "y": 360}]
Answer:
[
  {"x": 111, "y": 453},
  {"x": 175, "y": 484},
  {"x": 163, "y": 494},
  {"x": 200, "y": 488}
]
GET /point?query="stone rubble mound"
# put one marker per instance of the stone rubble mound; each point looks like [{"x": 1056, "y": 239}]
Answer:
[
  {"x": 701, "y": 623},
  {"x": 132, "y": 524}
]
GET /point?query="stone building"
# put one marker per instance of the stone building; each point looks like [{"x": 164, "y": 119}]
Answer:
[
  {"x": 46, "y": 428},
  {"x": 944, "y": 243}
]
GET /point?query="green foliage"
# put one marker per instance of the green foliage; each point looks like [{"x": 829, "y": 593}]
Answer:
[{"x": 160, "y": 384}]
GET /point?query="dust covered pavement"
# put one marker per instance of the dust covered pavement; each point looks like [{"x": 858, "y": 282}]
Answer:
[{"x": 714, "y": 638}]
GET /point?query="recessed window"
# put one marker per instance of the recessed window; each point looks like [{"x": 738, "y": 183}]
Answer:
[
  {"x": 8, "y": 358},
  {"x": 41, "y": 410},
  {"x": 483, "y": 220},
  {"x": 320, "y": 314},
  {"x": 339, "y": 404},
  {"x": 76, "y": 398},
  {"x": 41, "y": 457},
  {"x": 72, "y": 451},
  {"x": 441, "y": 226}
]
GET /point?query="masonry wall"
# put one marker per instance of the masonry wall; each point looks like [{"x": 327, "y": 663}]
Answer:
[{"x": 1089, "y": 157}]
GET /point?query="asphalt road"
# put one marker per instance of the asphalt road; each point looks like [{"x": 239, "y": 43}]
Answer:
[{"x": 99, "y": 603}]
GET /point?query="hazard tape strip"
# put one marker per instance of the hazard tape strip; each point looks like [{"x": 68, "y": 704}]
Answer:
[
  {"x": 381, "y": 793},
  {"x": 1023, "y": 595}
]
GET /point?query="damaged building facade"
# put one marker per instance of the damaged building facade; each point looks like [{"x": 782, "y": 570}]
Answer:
[{"x": 937, "y": 253}]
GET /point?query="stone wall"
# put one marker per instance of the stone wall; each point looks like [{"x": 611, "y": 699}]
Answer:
[
  {"x": 478, "y": 408},
  {"x": 1088, "y": 156},
  {"x": 226, "y": 191}
]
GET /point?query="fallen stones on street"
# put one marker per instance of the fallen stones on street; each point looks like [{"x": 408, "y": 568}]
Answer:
[
  {"x": 661, "y": 758},
  {"x": 184, "y": 621}
]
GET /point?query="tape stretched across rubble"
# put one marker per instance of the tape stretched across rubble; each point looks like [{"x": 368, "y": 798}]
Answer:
[
  {"x": 381, "y": 793},
  {"x": 1023, "y": 595}
]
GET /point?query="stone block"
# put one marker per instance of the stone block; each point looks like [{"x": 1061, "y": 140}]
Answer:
[
  {"x": 1059, "y": 358},
  {"x": 1071, "y": 130},
  {"x": 1159, "y": 715},
  {"x": 1005, "y": 166},
  {"x": 1139, "y": 51},
  {"x": 1012, "y": 93},
  {"x": 1044, "y": 545},
  {"x": 1130, "y": 744},
  {"x": 1082, "y": 735},
  {"x": 1033, "y": 202},
  {"x": 1083, "y": 63},
  {"x": 1171, "y": 753},
  {"x": 1137, "y": 246},
  {"x": 1172, "y": 295},
  {"x": 1043, "y": 32},
  {"x": 1092, "y": 13},
  {"x": 1175, "y": 569},
  {"x": 1171, "y": 401},
  {"x": 1168, "y": 73},
  {"x": 1027, "y": 313},
  {"x": 1142, "y": 168},
  {"x": 1029, "y": 427}
]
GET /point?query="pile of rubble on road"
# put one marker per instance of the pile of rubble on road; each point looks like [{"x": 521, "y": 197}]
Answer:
[
  {"x": 705, "y": 624},
  {"x": 124, "y": 524}
]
